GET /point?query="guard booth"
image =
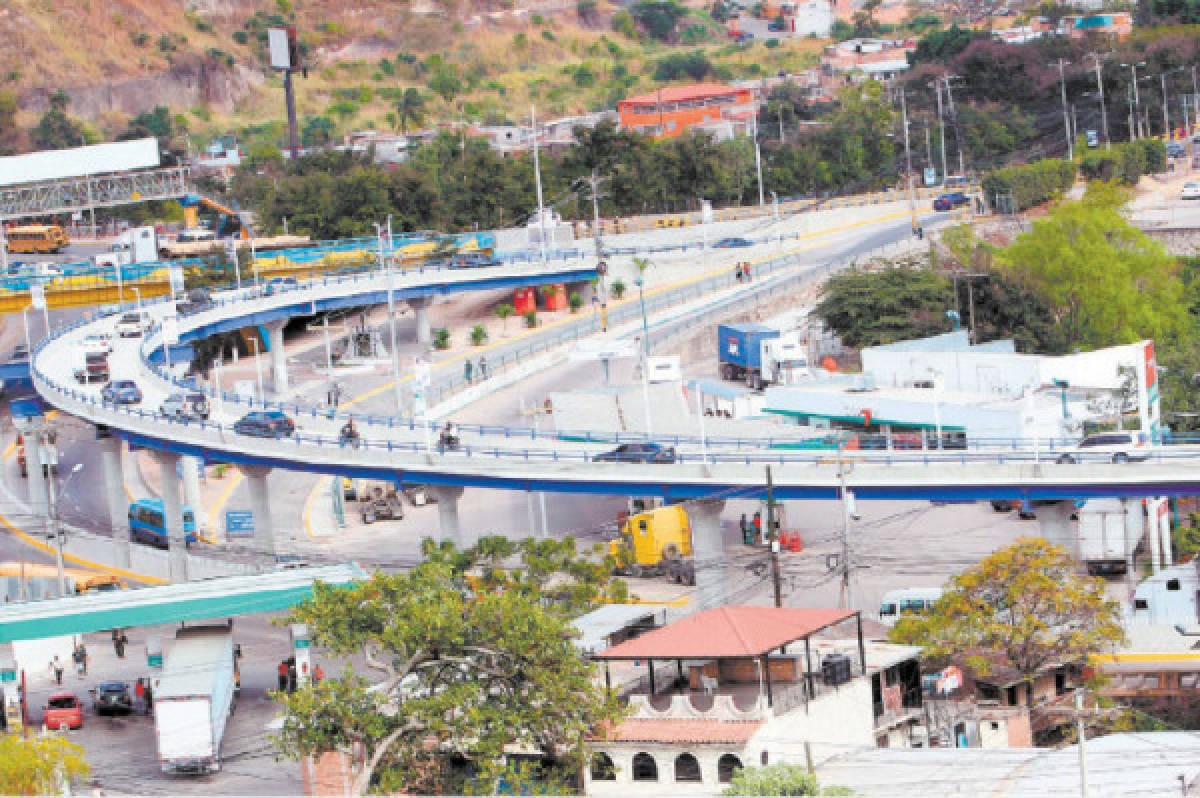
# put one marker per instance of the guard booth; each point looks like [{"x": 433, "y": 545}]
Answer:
[{"x": 525, "y": 300}]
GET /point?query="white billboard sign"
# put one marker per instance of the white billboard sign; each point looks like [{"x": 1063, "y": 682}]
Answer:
[
  {"x": 277, "y": 44},
  {"x": 94, "y": 159}
]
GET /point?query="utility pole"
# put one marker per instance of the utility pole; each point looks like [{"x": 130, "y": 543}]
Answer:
[
  {"x": 773, "y": 533},
  {"x": 937, "y": 87},
  {"x": 1166, "y": 113},
  {"x": 843, "y": 495},
  {"x": 762, "y": 198},
  {"x": 1081, "y": 732},
  {"x": 537, "y": 173},
  {"x": 1103, "y": 109},
  {"x": 1195, "y": 97},
  {"x": 1137, "y": 100},
  {"x": 1062, "y": 81},
  {"x": 912, "y": 204},
  {"x": 928, "y": 148}
]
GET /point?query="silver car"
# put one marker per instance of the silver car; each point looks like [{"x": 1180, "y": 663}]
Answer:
[{"x": 189, "y": 404}]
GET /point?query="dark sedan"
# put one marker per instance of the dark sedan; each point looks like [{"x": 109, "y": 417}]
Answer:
[
  {"x": 113, "y": 697},
  {"x": 638, "y": 453},
  {"x": 950, "y": 201},
  {"x": 264, "y": 424},
  {"x": 733, "y": 243}
]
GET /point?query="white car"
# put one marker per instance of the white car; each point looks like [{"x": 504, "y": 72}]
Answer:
[
  {"x": 1116, "y": 447},
  {"x": 97, "y": 342},
  {"x": 1191, "y": 190},
  {"x": 133, "y": 324}
]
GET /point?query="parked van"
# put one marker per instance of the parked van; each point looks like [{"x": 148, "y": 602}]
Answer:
[{"x": 910, "y": 601}]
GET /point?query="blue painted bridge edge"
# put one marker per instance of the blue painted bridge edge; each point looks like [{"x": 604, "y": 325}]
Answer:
[{"x": 435, "y": 475}]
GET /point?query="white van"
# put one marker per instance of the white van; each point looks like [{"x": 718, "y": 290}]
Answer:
[{"x": 910, "y": 601}]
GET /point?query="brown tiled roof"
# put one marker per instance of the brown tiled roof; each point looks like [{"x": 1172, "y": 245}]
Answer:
[
  {"x": 731, "y": 632},
  {"x": 673, "y": 730}
]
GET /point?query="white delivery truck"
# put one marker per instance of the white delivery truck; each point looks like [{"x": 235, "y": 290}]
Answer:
[
  {"x": 194, "y": 698},
  {"x": 1110, "y": 530}
]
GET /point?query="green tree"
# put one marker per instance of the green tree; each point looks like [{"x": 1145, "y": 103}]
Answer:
[
  {"x": 940, "y": 46},
  {"x": 1105, "y": 281},
  {"x": 1024, "y": 607},
  {"x": 39, "y": 765},
  {"x": 778, "y": 779},
  {"x": 10, "y": 134},
  {"x": 658, "y": 18},
  {"x": 56, "y": 131},
  {"x": 880, "y": 307},
  {"x": 586, "y": 9},
  {"x": 478, "y": 335},
  {"x": 472, "y": 658},
  {"x": 317, "y": 131},
  {"x": 502, "y": 312},
  {"x": 410, "y": 109},
  {"x": 445, "y": 81}
]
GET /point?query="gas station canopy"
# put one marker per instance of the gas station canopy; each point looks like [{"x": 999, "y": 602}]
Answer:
[{"x": 221, "y": 597}]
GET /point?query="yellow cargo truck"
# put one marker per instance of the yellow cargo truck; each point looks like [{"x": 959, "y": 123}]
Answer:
[{"x": 654, "y": 543}]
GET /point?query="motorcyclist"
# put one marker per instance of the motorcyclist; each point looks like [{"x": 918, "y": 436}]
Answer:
[
  {"x": 349, "y": 431},
  {"x": 449, "y": 436}
]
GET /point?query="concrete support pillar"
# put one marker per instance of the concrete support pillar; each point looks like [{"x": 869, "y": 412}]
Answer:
[
  {"x": 1057, "y": 527},
  {"x": 177, "y": 556},
  {"x": 708, "y": 551},
  {"x": 111, "y": 450},
  {"x": 279, "y": 375},
  {"x": 33, "y": 468},
  {"x": 420, "y": 309},
  {"x": 191, "y": 465},
  {"x": 447, "y": 502},
  {"x": 260, "y": 505}
]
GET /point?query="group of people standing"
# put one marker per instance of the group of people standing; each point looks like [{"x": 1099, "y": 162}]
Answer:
[
  {"x": 469, "y": 370},
  {"x": 742, "y": 272}
]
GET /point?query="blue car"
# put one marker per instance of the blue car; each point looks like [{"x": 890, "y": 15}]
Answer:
[
  {"x": 264, "y": 424},
  {"x": 732, "y": 243},
  {"x": 121, "y": 392}
]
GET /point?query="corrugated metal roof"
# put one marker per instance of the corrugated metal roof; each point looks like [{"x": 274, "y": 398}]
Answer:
[
  {"x": 672, "y": 94},
  {"x": 186, "y": 601},
  {"x": 94, "y": 159},
  {"x": 731, "y": 632},
  {"x": 598, "y": 625}
]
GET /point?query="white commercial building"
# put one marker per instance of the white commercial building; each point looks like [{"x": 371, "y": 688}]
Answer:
[{"x": 979, "y": 392}]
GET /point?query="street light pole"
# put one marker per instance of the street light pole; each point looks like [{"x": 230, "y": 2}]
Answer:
[
  {"x": 1062, "y": 80},
  {"x": 762, "y": 200},
  {"x": 25, "y": 323},
  {"x": 55, "y": 524},
  {"x": 391, "y": 305},
  {"x": 1103, "y": 109},
  {"x": 912, "y": 204},
  {"x": 1166, "y": 113},
  {"x": 641, "y": 284}
]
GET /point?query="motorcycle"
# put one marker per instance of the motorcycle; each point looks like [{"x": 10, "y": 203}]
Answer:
[{"x": 349, "y": 436}]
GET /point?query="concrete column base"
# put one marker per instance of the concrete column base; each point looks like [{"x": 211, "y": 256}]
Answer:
[
  {"x": 447, "y": 502},
  {"x": 260, "y": 505},
  {"x": 177, "y": 555},
  {"x": 708, "y": 551},
  {"x": 111, "y": 451},
  {"x": 420, "y": 308}
]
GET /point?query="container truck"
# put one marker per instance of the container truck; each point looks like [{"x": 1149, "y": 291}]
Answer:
[
  {"x": 1110, "y": 530},
  {"x": 758, "y": 354},
  {"x": 194, "y": 698}
]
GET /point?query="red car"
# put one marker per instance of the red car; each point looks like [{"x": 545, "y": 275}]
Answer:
[{"x": 63, "y": 709}]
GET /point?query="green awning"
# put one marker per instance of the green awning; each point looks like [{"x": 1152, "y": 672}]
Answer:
[{"x": 187, "y": 601}]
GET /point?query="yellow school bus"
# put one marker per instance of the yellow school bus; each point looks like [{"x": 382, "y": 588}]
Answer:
[
  {"x": 37, "y": 238},
  {"x": 41, "y": 579}
]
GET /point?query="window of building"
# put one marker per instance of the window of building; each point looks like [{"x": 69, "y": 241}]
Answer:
[
  {"x": 687, "y": 768},
  {"x": 644, "y": 767},
  {"x": 727, "y": 765},
  {"x": 602, "y": 767}
]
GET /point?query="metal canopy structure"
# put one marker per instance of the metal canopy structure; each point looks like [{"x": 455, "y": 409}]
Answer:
[
  {"x": 186, "y": 601},
  {"x": 92, "y": 159}
]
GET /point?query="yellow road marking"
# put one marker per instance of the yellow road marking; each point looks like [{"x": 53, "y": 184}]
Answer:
[
  {"x": 308, "y": 505},
  {"x": 107, "y": 569},
  {"x": 214, "y": 515}
]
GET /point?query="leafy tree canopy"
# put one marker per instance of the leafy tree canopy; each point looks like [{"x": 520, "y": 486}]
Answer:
[
  {"x": 940, "y": 46},
  {"x": 779, "y": 779},
  {"x": 472, "y": 653},
  {"x": 658, "y": 18},
  {"x": 35, "y": 765},
  {"x": 1024, "y": 607}
]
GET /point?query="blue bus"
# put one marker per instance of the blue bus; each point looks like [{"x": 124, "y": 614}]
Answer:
[{"x": 146, "y": 523}]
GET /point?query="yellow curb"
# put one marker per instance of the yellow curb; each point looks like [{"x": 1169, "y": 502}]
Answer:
[
  {"x": 215, "y": 514},
  {"x": 12, "y": 445},
  {"x": 308, "y": 505},
  {"x": 107, "y": 569}
]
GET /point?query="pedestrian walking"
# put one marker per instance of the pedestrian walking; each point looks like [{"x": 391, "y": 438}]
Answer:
[
  {"x": 80, "y": 658},
  {"x": 757, "y": 525},
  {"x": 482, "y": 367},
  {"x": 737, "y": 273},
  {"x": 149, "y": 696},
  {"x": 746, "y": 270},
  {"x": 291, "y": 674},
  {"x": 119, "y": 644},
  {"x": 744, "y": 526},
  {"x": 139, "y": 694},
  {"x": 56, "y": 665},
  {"x": 318, "y": 675},
  {"x": 467, "y": 369},
  {"x": 283, "y": 675}
]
